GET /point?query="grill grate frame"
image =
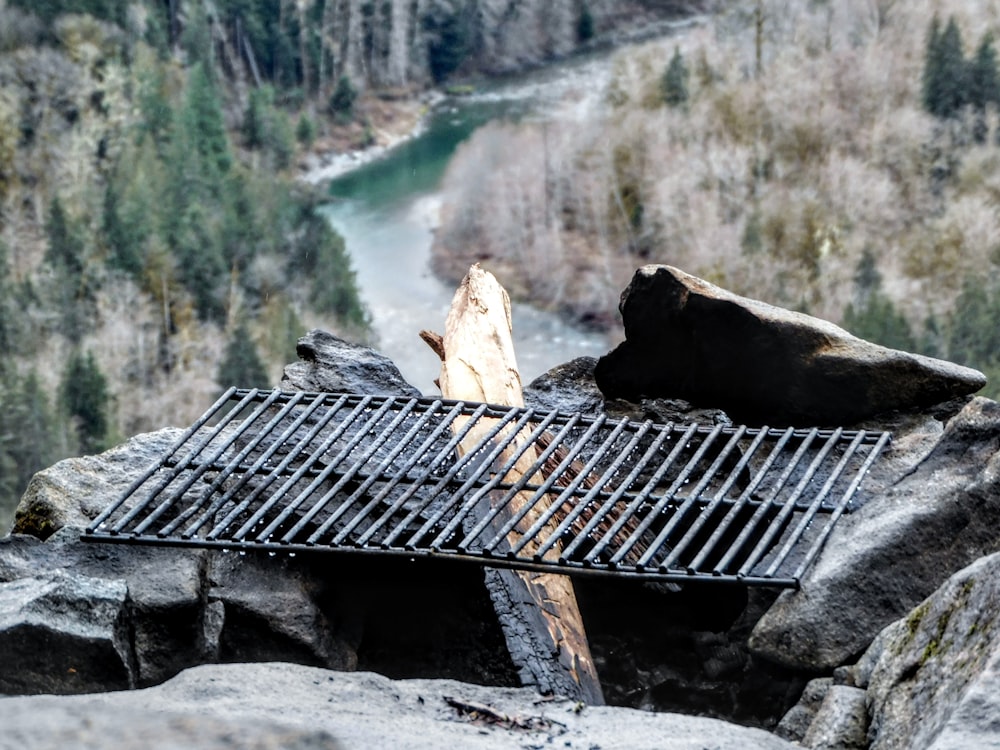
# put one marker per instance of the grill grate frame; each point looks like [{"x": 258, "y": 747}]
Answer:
[{"x": 298, "y": 471}]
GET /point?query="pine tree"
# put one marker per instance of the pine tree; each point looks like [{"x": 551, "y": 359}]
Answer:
[
  {"x": 256, "y": 117},
  {"x": 124, "y": 239},
  {"x": 85, "y": 398},
  {"x": 65, "y": 250},
  {"x": 945, "y": 81},
  {"x": 200, "y": 264},
  {"x": 867, "y": 278},
  {"x": 305, "y": 131},
  {"x": 974, "y": 330},
  {"x": 448, "y": 35},
  {"x": 343, "y": 99},
  {"x": 984, "y": 80},
  {"x": 585, "y": 24},
  {"x": 872, "y": 316},
  {"x": 675, "y": 81},
  {"x": 202, "y": 117},
  {"x": 323, "y": 256},
  {"x": 241, "y": 365}
]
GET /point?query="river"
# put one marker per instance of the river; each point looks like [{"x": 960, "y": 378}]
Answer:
[{"x": 386, "y": 211}]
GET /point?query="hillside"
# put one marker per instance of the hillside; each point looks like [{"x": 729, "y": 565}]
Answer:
[
  {"x": 798, "y": 152},
  {"x": 154, "y": 245}
]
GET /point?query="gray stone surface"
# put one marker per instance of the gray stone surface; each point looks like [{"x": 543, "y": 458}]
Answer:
[
  {"x": 74, "y": 491},
  {"x": 881, "y": 561},
  {"x": 329, "y": 364},
  {"x": 841, "y": 723},
  {"x": 64, "y": 633},
  {"x": 935, "y": 677},
  {"x": 299, "y": 707},
  {"x": 794, "y": 724},
  {"x": 686, "y": 338}
]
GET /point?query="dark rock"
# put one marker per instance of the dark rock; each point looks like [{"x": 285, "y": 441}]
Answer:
[
  {"x": 880, "y": 561},
  {"x": 166, "y": 592},
  {"x": 331, "y": 365},
  {"x": 688, "y": 339},
  {"x": 64, "y": 633},
  {"x": 665, "y": 410},
  {"x": 74, "y": 491},
  {"x": 282, "y": 705},
  {"x": 935, "y": 679},
  {"x": 270, "y": 613},
  {"x": 569, "y": 388}
]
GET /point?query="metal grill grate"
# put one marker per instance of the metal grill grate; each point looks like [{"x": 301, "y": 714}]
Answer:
[{"x": 289, "y": 472}]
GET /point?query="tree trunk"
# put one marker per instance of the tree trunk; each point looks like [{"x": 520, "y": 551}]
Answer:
[{"x": 537, "y": 611}]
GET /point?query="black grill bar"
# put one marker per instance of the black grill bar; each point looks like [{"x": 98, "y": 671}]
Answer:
[{"x": 511, "y": 487}]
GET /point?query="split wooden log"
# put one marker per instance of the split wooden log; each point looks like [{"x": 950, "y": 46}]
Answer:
[{"x": 538, "y": 612}]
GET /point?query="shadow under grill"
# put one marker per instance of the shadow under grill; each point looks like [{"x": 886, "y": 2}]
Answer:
[{"x": 294, "y": 471}]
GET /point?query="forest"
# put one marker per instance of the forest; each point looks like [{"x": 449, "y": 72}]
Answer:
[
  {"x": 839, "y": 158},
  {"x": 155, "y": 246}
]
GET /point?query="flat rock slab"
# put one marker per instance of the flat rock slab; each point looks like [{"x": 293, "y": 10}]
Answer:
[
  {"x": 689, "y": 339},
  {"x": 288, "y": 706}
]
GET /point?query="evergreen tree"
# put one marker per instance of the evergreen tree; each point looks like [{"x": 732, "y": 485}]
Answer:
[
  {"x": 945, "y": 80},
  {"x": 585, "y": 24},
  {"x": 202, "y": 118},
  {"x": 71, "y": 289},
  {"x": 974, "y": 330},
  {"x": 200, "y": 264},
  {"x": 29, "y": 419},
  {"x": 305, "y": 131},
  {"x": 65, "y": 250},
  {"x": 881, "y": 323},
  {"x": 867, "y": 278},
  {"x": 872, "y": 316},
  {"x": 675, "y": 81},
  {"x": 256, "y": 117},
  {"x": 984, "y": 80},
  {"x": 124, "y": 239},
  {"x": 241, "y": 365},
  {"x": 322, "y": 256},
  {"x": 447, "y": 31},
  {"x": 343, "y": 99},
  {"x": 154, "y": 103},
  {"x": 85, "y": 398}
]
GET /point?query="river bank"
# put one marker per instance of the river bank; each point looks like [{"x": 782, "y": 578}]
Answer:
[{"x": 385, "y": 202}]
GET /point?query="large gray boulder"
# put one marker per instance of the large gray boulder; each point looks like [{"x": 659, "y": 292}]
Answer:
[
  {"x": 291, "y": 706},
  {"x": 933, "y": 519},
  {"x": 929, "y": 681},
  {"x": 63, "y": 632},
  {"x": 74, "y": 491},
  {"x": 934, "y": 679},
  {"x": 689, "y": 339}
]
